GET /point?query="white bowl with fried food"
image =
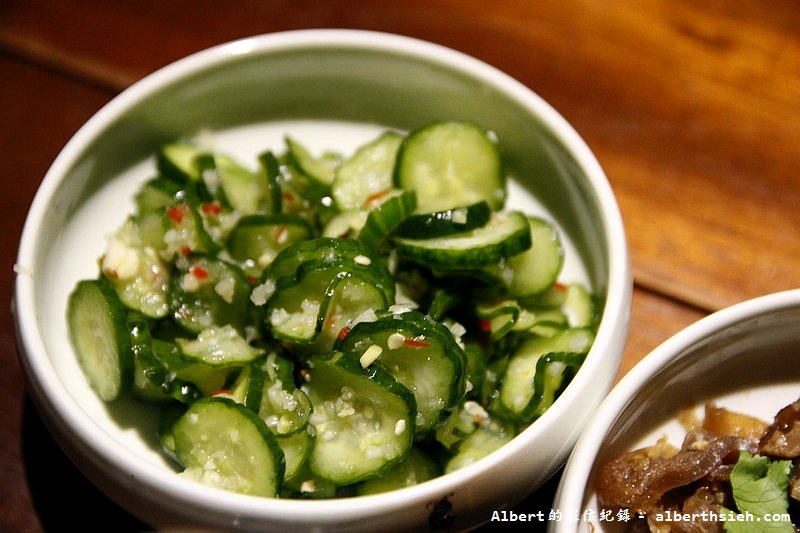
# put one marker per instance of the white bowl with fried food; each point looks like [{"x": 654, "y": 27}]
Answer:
[{"x": 722, "y": 379}]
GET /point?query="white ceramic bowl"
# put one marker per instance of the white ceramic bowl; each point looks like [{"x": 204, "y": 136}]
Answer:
[
  {"x": 743, "y": 358},
  {"x": 330, "y": 88}
]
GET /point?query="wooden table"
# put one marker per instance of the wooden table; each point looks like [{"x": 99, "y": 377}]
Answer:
[{"x": 692, "y": 108}]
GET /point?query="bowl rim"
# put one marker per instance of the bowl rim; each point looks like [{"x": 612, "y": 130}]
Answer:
[
  {"x": 572, "y": 489},
  {"x": 51, "y": 392}
]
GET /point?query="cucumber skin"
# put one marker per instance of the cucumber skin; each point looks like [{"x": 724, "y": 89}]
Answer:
[
  {"x": 122, "y": 340},
  {"x": 441, "y": 223}
]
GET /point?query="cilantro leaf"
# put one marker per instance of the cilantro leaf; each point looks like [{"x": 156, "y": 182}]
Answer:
[{"x": 760, "y": 489}]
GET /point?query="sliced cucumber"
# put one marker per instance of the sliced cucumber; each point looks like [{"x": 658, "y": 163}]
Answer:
[
  {"x": 531, "y": 379},
  {"x": 382, "y": 220},
  {"x": 483, "y": 441},
  {"x": 182, "y": 379},
  {"x": 345, "y": 224},
  {"x": 351, "y": 255},
  {"x": 178, "y": 160},
  {"x": 283, "y": 407},
  {"x": 244, "y": 190},
  {"x": 185, "y": 233},
  {"x": 99, "y": 333},
  {"x": 536, "y": 269},
  {"x": 461, "y": 423},
  {"x": 136, "y": 271},
  {"x": 506, "y": 234},
  {"x": 367, "y": 174},
  {"x": 219, "y": 347},
  {"x": 420, "y": 353},
  {"x": 269, "y": 166},
  {"x": 498, "y": 317},
  {"x": 146, "y": 387},
  {"x": 447, "y": 222},
  {"x": 257, "y": 239},
  {"x": 317, "y": 172},
  {"x": 415, "y": 468},
  {"x": 307, "y": 485},
  {"x": 223, "y": 444},
  {"x": 207, "y": 292},
  {"x": 579, "y": 306},
  {"x": 322, "y": 299},
  {"x": 450, "y": 164},
  {"x": 296, "y": 450},
  {"x": 157, "y": 193},
  {"x": 363, "y": 419},
  {"x": 248, "y": 386}
]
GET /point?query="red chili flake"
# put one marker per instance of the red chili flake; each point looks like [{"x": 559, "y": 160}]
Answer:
[
  {"x": 251, "y": 279},
  {"x": 185, "y": 250},
  {"x": 415, "y": 343},
  {"x": 288, "y": 197},
  {"x": 199, "y": 272},
  {"x": 221, "y": 392},
  {"x": 485, "y": 325},
  {"x": 343, "y": 333},
  {"x": 559, "y": 286},
  {"x": 375, "y": 196},
  {"x": 211, "y": 208},
  {"x": 177, "y": 212}
]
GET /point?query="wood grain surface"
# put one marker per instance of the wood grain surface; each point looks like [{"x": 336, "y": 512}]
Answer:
[{"x": 692, "y": 108}]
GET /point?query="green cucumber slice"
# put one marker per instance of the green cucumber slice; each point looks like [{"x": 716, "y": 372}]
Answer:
[
  {"x": 244, "y": 190},
  {"x": 178, "y": 160},
  {"x": 367, "y": 174},
  {"x": 533, "y": 376},
  {"x": 181, "y": 378},
  {"x": 316, "y": 172},
  {"x": 248, "y": 386},
  {"x": 136, "y": 271},
  {"x": 506, "y": 234},
  {"x": 498, "y": 317},
  {"x": 296, "y": 450},
  {"x": 185, "y": 233},
  {"x": 322, "y": 299},
  {"x": 257, "y": 239},
  {"x": 207, "y": 292},
  {"x": 450, "y": 164},
  {"x": 283, "y": 407},
  {"x": 484, "y": 440},
  {"x": 157, "y": 193},
  {"x": 363, "y": 419},
  {"x": 415, "y": 468},
  {"x": 579, "y": 306},
  {"x": 147, "y": 383},
  {"x": 382, "y": 220},
  {"x": 270, "y": 167},
  {"x": 219, "y": 347},
  {"x": 223, "y": 444},
  {"x": 420, "y": 353},
  {"x": 536, "y": 269},
  {"x": 352, "y": 255},
  {"x": 99, "y": 334}
]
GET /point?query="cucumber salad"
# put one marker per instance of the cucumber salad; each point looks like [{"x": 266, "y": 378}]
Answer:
[{"x": 325, "y": 325}]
